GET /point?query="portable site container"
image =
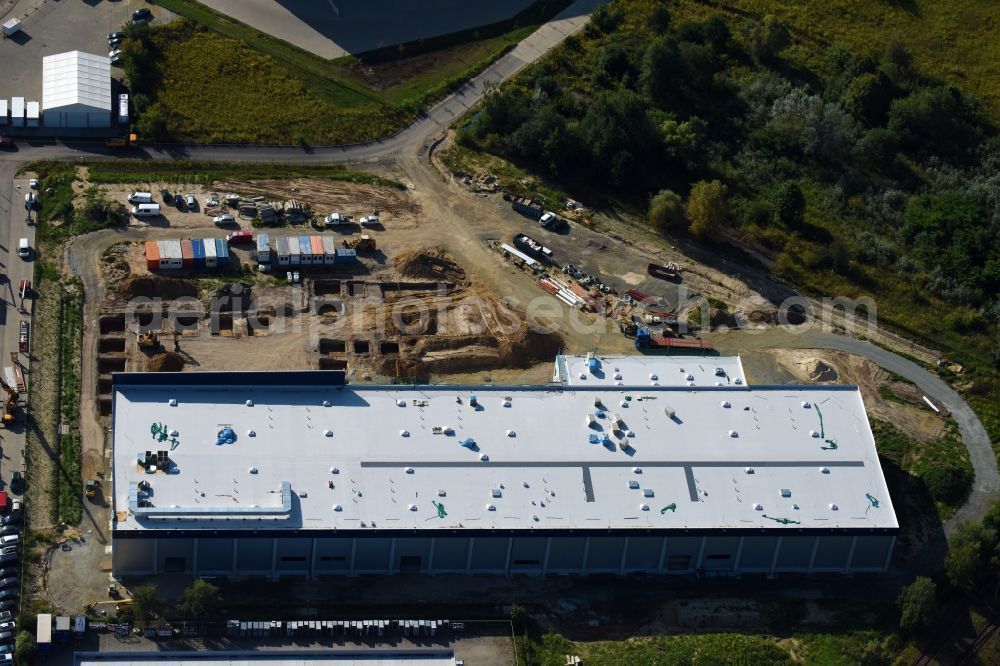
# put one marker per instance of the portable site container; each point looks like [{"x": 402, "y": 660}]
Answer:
[
  {"x": 4, "y": 113},
  {"x": 43, "y": 633},
  {"x": 187, "y": 253},
  {"x": 305, "y": 250},
  {"x": 318, "y": 252},
  {"x": 329, "y": 250},
  {"x": 198, "y": 250},
  {"x": 281, "y": 250},
  {"x": 221, "y": 252},
  {"x": 170, "y": 254},
  {"x": 79, "y": 626},
  {"x": 211, "y": 257},
  {"x": 346, "y": 255},
  {"x": 294, "y": 251},
  {"x": 152, "y": 255},
  {"x": 17, "y": 111},
  {"x": 263, "y": 249},
  {"x": 32, "y": 114},
  {"x": 62, "y": 627}
]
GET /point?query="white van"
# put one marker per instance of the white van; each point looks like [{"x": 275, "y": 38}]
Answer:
[
  {"x": 9, "y": 540},
  {"x": 23, "y": 249},
  {"x": 146, "y": 210},
  {"x": 140, "y": 198}
]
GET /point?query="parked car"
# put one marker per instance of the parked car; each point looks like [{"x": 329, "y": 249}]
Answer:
[
  {"x": 7, "y": 572},
  {"x": 9, "y": 593},
  {"x": 6, "y": 635},
  {"x": 168, "y": 198},
  {"x": 33, "y": 183},
  {"x": 115, "y": 38},
  {"x": 8, "y": 626},
  {"x": 9, "y": 581},
  {"x": 179, "y": 201},
  {"x": 9, "y": 529},
  {"x": 115, "y": 55},
  {"x": 370, "y": 221},
  {"x": 16, "y": 479},
  {"x": 30, "y": 200},
  {"x": 190, "y": 201},
  {"x": 224, "y": 219},
  {"x": 6, "y": 617},
  {"x": 142, "y": 15},
  {"x": 6, "y": 141},
  {"x": 8, "y": 604}
]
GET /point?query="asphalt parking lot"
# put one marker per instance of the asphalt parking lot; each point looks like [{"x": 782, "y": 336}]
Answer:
[{"x": 57, "y": 26}]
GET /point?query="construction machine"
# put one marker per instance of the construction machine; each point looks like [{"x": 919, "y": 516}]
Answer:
[
  {"x": 10, "y": 403},
  {"x": 364, "y": 243}
]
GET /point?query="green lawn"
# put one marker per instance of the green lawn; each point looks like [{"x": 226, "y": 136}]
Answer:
[{"x": 223, "y": 81}]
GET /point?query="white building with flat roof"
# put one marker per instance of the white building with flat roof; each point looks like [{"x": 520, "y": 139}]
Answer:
[
  {"x": 76, "y": 90},
  {"x": 295, "y": 473},
  {"x": 652, "y": 370}
]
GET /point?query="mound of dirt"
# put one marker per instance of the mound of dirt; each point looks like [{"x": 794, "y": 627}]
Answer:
[
  {"x": 819, "y": 370},
  {"x": 429, "y": 265},
  {"x": 150, "y": 286},
  {"x": 165, "y": 362}
]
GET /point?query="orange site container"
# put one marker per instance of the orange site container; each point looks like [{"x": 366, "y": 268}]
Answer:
[
  {"x": 152, "y": 255},
  {"x": 317, "y": 247}
]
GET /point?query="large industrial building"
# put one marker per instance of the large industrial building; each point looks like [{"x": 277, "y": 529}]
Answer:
[
  {"x": 76, "y": 90},
  {"x": 297, "y": 474},
  {"x": 291, "y": 657},
  {"x": 674, "y": 370}
]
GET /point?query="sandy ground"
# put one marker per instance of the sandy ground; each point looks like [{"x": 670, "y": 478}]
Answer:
[{"x": 908, "y": 412}]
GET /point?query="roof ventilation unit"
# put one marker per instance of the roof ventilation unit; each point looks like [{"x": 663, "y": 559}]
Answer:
[
  {"x": 624, "y": 404},
  {"x": 401, "y": 403},
  {"x": 785, "y": 492},
  {"x": 726, "y": 404},
  {"x": 669, "y": 411},
  {"x": 758, "y": 507},
  {"x": 597, "y": 402},
  {"x": 473, "y": 401},
  {"x": 412, "y": 507},
  {"x": 448, "y": 430},
  {"x": 524, "y": 483},
  {"x": 442, "y": 493},
  {"x": 733, "y": 433},
  {"x": 334, "y": 470},
  {"x": 806, "y": 404},
  {"x": 643, "y": 507},
  {"x": 408, "y": 470},
  {"x": 583, "y": 375},
  {"x": 618, "y": 376},
  {"x": 328, "y": 433},
  {"x": 690, "y": 378},
  {"x": 468, "y": 443},
  {"x": 490, "y": 507},
  {"x": 404, "y": 433},
  {"x": 591, "y": 420},
  {"x": 834, "y": 507},
  {"x": 326, "y": 403},
  {"x": 653, "y": 377},
  {"x": 637, "y": 470},
  {"x": 496, "y": 492},
  {"x": 511, "y": 433},
  {"x": 647, "y": 492},
  {"x": 484, "y": 458},
  {"x": 252, "y": 470},
  {"x": 814, "y": 433},
  {"x": 634, "y": 485},
  {"x": 748, "y": 470},
  {"x": 172, "y": 402},
  {"x": 337, "y": 507},
  {"x": 506, "y": 402},
  {"x": 737, "y": 381},
  {"x": 824, "y": 470},
  {"x": 249, "y": 403}
]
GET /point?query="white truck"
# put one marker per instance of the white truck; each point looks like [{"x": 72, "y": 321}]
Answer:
[{"x": 12, "y": 27}]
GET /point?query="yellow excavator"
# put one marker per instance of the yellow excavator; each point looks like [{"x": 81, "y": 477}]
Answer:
[{"x": 10, "y": 403}]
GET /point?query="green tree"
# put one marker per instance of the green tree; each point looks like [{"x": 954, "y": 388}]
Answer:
[
  {"x": 660, "y": 64},
  {"x": 153, "y": 123},
  {"x": 659, "y": 19},
  {"x": 917, "y": 604},
  {"x": 789, "y": 204},
  {"x": 666, "y": 210},
  {"x": 868, "y": 96},
  {"x": 146, "y": 604},
  {"x": 200, "y": 601},
  {"x": 965, "y": 565},
  {"x": 768, "y": 38},
  {"x": 707, "y": 208},
  {"x": 24, "y": 647}
]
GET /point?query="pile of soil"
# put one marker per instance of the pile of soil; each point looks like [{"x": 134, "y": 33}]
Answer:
[
  {"x": 429, "y": 265},
  {"x": 150, "y": 286},
  {"x": 165, "y": 362},
  {"x": 819, "y": 370}
]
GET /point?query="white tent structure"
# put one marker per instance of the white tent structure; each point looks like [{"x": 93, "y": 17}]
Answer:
[{"x": 76, "y": 90}]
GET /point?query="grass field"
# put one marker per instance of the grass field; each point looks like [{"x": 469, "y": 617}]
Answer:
[
  {"x": 186, "y": 171},
  {"x": 228, "y": 82},
  {"x": 954, "y": 40}
]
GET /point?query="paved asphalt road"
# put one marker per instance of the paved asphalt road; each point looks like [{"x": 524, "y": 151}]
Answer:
[{"x": 431, "y": 125}]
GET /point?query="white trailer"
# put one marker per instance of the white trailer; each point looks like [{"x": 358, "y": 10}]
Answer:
[
  {"x": 12, "y": 27},
  {"x": 329, "y": 250},
  {"x": 17, "y": 111},
  {"x": 32, "y": 114},
  {"x": 211, "y": 253},
  {"x": 4, "y": 113}
]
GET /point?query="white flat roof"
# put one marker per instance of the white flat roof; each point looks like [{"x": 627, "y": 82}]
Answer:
[
  {"x": 335, "y": 657},
  {"x": 545, "y": 467},
  {"x": 652, "y": 370},
  {"x": 76, "y": 78}
]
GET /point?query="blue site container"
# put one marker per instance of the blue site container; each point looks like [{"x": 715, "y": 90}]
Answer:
[
  {"x": 222, "y": 252},
  {"x": 198, "y": 251},
  {"x": 346, "y": 255}
]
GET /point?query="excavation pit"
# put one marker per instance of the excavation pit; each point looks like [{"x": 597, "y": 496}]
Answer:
[
  {"x": 112, "y": 323},
  {"x": 107, "y": 364},
  {"x": 388, "y": 347},
  {"x": 326, "y": 363},
  {"x": 328, "y": 346},
  {"x": 110, "y": 345},
  {"x": 362, "y": 347}
]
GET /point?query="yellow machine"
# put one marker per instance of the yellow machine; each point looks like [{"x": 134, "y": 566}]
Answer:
[
  {"x": 10, "y": 404},
  {"x": 363, "y": 243}
]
